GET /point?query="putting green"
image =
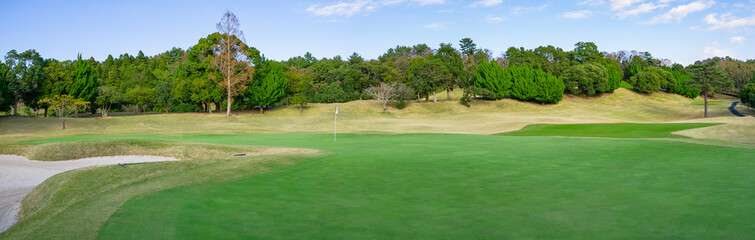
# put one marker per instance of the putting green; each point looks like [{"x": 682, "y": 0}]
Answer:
[{"x": 441, "y": 186}]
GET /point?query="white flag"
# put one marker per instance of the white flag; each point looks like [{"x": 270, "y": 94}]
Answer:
[{"x": 336, "y": 109}]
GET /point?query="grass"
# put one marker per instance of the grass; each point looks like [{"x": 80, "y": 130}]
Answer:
[
  {"x": 608, "y": 130},
  {"x": 411, "y": 186},
  {"x": 56, "y": 151},
  {"x": 74, "y": 204},
  {"x": 447, "y": 116}
]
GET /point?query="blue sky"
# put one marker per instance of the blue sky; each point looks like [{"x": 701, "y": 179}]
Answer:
[{"x": 680, "y": 30}]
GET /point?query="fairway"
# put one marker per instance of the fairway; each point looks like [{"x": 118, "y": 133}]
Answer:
[
  {"x": 460, "y": 186},
  {"x": 608, "y": 130}
]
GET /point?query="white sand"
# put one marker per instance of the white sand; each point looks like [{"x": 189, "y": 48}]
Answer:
[{"x": 19, "y": 175}]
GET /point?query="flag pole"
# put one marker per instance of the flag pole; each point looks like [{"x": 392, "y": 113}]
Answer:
[{"x": 335, "y": 123}]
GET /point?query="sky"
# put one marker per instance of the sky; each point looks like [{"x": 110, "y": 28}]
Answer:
[{"x": 680, "y": 30}]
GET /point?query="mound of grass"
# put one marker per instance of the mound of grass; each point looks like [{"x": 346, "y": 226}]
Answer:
[
  {"x": 51, "y": 150},
  {"x": 608, "y": 130}
]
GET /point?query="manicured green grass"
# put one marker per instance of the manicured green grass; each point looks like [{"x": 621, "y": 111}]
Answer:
[
  {"x": 440, "y": 186},
  {"x": 609, "y": 130}
]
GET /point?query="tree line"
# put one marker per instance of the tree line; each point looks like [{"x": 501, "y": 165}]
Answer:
[{"x": 222, "y": 72}]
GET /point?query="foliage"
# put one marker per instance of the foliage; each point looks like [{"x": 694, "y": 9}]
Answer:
[
  {"x": 533, "y": 84},
  {"x": 107, "y": 97},
  {"x": 6, "y": 97},
  {"x": 85, "y": 82},
  {"x": 63, "y": 104},
  {"x": 269, "y": 86},
  {"x": 684, "y": 85},
  {"x": 586, "y": 51},
  {"x": 331, "y": 93},
  {"x": 492, "y": 77},
  {"x": 710, "y": 80},
  {"x": 652, "y": 80},
  {"x": 588, "y": 79},
  {"x": 185, "y": 107},
  {"x": 428, "y": 76},
  {"x": 24, "y": 78},
  {"x": 747, "y": 94}
]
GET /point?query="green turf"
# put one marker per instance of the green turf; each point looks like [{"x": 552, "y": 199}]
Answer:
[
  {"x": 610, "y": 130},
  {"x": 443, "y": 186}
]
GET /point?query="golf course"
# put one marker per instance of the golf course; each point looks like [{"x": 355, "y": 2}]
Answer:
[{"x": 430, "y": 171}]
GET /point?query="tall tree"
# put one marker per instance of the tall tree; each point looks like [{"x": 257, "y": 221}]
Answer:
[
  {"x": 232, "y": 58},
  {"x": 467, "y": 46},
  {"x": 586, "y": 51},
  {"x": 5, "y": 95},
  {"x": 451, "y": 60},
  {"x": 709, "y": 79},
  {"x": 270, "y": 86},
  {"x": 85, "y": 82},
  {"x": 25, "y": 76}
]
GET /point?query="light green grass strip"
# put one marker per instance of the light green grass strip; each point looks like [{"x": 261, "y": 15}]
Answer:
[{"x": 608, "y": 130}]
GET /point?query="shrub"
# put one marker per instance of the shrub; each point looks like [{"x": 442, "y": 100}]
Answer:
[
  {"x": 535, "y": 84},
  {"x": 589, "y": 79},
  {"x": 401, "y": 104},
  {"x": 493, "y": 77},
  {"x": 747, "y": 94},
  {"x": 652, "y": 79},
  {"x": 185, "y": 107}
]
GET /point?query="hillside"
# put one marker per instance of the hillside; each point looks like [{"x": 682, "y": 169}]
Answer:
[{"x": 446, "y": 116}]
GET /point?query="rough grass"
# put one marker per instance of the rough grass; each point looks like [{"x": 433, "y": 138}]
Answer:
[
  {"x": 608, "y": 130},
  {"x": 447, "y": 116},
  {"x": 415, "y": 186},
  {"x": 55, "y": 151}
]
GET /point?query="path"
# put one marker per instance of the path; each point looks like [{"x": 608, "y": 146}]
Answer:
[
  {"x": 19, "y": 175},
  {"x": 734, "y": 111}
]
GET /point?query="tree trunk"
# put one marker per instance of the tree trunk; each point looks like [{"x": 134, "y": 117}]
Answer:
[
  {"x": 137, "y": 109},
  {"x": 209, "y": 107},
  {"x": 435, "y": 98},
  {"x": 705, "y": 96},
  {"x": 384, "y": 108},
  {"x": 64, "y": 122},
  {"x": 76, "y": 112},
  {"x": 46, "y": 111},
  {"x": 262, "y": 109},
  {"x": 15, "y": 108},
  {"x": 418, "y": 97},
  {"x": 448, "y": 94},
  {"x": 301, "y": 111}
]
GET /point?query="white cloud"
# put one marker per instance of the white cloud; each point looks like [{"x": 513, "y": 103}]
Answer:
[
  {"x": 577, "y": 14},
  {"x": 434, "y": 26},
  {"x": 348, "y": 9},
  {"x": 486, "y": 3},
  {"x": 429, "y": 2},
  {"x": 526, "y": 10},
  {"x": 738, "y": 39},
  {"x": 681, "y": 11},
  {"x": 728, "y": 21},
  {"x": 714, "y": 51},
  {"x": 342, "y": 9},
  {"x": 642, "y": 8},
  {"x": 617, "y": 5},
  {"x": 666, "y": 1},
  {"x": 592, "y": 2},
  {"x": 494, "y": 19}
]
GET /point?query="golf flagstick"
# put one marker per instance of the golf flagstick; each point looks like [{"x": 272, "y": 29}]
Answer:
[{"x": 335, "y": 123}]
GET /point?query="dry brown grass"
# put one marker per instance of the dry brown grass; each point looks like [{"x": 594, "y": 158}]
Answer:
[{"x": 447, "y": 116}]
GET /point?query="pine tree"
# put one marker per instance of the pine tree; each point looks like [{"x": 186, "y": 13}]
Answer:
[{"x": 709, "y": 79}]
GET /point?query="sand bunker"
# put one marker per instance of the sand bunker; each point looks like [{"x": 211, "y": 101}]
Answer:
[{"x": 19, "y": 175}]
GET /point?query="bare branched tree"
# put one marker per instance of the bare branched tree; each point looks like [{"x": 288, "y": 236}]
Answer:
[
  {"x": 231, "y": 58},
  {"x": 383, "y": 93}
]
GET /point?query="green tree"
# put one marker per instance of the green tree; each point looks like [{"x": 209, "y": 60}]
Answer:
[
  {"x": 586, "y": 51},
  {"x": 747, "y": 94},
  {"x": 588, "y": 79},
  {"x": 85, "y": 82},
  {"x": 24, "y": 78},
  {"x": 534, "y": 84},
  {"x": 270, "y": 85},
  {"x": 451, "y": 60},
  {"x": 63, "y": 104},
  {"x": 429, "y": 76},
  {"x": 467, "y": 46},
  {"x": 6, "y": 97},
  {"x": 140, "y": 96},
  {"x": 709, "y": 79},
  {"x": 492, "y": 77},
  {"x": 652, "y": 79},
  {"x": 107, "y": 97}
]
